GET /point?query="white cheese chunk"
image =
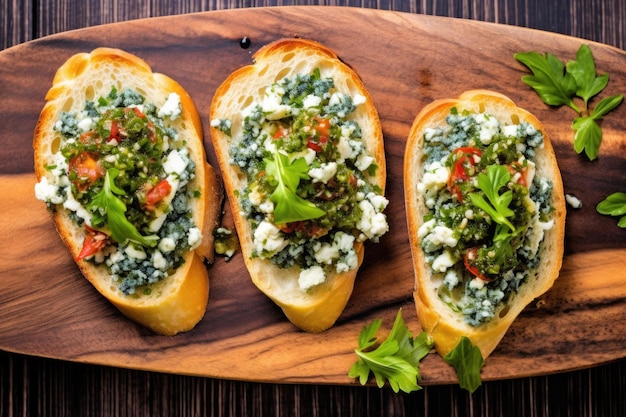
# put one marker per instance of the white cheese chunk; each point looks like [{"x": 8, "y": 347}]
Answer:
[
  {"x": 573, "y": 201},
  {"x": 489, "y": 127},
  {"x": 267, "y": 237},
  {"x": 378, "y": 201},
  {"x": 174, "y": 165},
  {"x": 372, "y": 224},
  {"x": 311, "y": 277},
  {"x": 167, "y": 244},
  {"x": 85, "y": 124},
  {"x": 172, "y": 107},
  {"x": 194, "y": 238},
  {"x": 443, "y": 236},
  {"x": 176, "y": 162},
  {"x": 443, "y": 262},
  {"x": 325, "y": 253},
  {"x": 311, "y": 101},
  {"x": 272, "y": 104},
  {"x": 72, "y": 204},
  {"x": 435, "y": 178},
  {"x": 477, "y": 283},
  {"x": 510, "y": 130},
  {"x": 363, "y": 161},
  {"x": 358, "y": 99},
  {"x": 159, "y": 261},
  {"x": 47, "y": 192},
  {"x": 324, "y": 173},
  {"x": 425, "y": 228}
]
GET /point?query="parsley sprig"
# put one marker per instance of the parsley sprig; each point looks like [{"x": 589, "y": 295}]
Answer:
[
  {"x": 395, "y": 360},
  {"x": 289, "y": 206},
  {"x": 559, "y": 84},
  {"x": 106, "y": 205},
  {"x": 497, "y": 207},
  {"x": 467, "y": 361},
  {"x": 614, "y": 205}
]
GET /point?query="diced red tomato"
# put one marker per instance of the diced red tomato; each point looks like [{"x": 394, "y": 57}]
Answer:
[
  {"x": 308, "y": 228},
  {"x": 289, "y": 227},
  {"x": 114, "y": 133},
  {"x": 138, "y": 112},
  {"x": 94, "y": 241},
  {"x": 156, "y": 194},
  {"x": 87, "y": 136},
  {"x": 313, "y": 145},
  {"x": 151, "y": 132},
  {"x": 468, "y": 257},
  {"x": 323, "y": 127},
  {"x": 87, "y": 169},
  {"x": 281, "y": 132},
  {"x": 464, "y": 159},
  {"x": 515, "y": 168}
]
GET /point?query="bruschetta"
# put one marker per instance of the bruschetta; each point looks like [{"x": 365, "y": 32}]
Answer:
[
  {"x": 486, "y": 216},
  {"x": 300, "y": 147},
  {"x": 120, "y": 163}
]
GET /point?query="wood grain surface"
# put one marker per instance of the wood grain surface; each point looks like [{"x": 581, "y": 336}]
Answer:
[{"x": 47, "y": 309}]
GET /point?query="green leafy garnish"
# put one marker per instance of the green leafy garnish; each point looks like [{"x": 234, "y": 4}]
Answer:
[
  {"x": 107, "y": 204},
  {"x": 395, "y": 360},
  {"x": 559, "y": 84},
  {"x": 583, "y": 70},
  {"x": 467, "y": 361},
  {"x": 497, "y": 207},
  {"x": 614, "y": 205},
  {"x": 289, "y": 206},
  {"x": 588, "y": 135},
  {"x": 555, "y": 86}
]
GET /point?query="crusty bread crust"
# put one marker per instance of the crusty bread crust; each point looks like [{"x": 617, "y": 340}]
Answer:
[
  {"x": 317, "y": 309},
  {"x": 177, "y": 303},
  {"x": 445, "y": 326}
]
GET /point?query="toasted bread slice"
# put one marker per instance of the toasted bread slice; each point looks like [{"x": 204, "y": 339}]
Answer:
[
  {"x": 318, "y": 307},
  {"x": 434, "y": 310},
  {"x": 177, "y": 302}
]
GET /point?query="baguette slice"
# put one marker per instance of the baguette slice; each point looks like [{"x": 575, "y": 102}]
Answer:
[
  {"x": 318, "y": 308},
  {"x": 178, "y": 302},
  {"x": 436, "y": 317}
]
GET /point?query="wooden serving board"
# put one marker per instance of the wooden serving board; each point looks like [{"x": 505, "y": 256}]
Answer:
[{"x": 47, "y": 309}]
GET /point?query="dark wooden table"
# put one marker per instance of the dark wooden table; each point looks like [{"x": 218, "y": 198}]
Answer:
[{"x": 44, "y": 387}]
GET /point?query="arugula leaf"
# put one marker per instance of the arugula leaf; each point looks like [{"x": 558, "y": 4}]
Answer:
[
  {"x": 467, "y": 361},
  {"x": 554, "y": 85},
  {"x": 614, "y": 205},
  {"x": 490, "y": 183},
  {"x": 395, "y": 360},
  {"x": 289, "y": 206},
  {"x": 114, "y": 208},
  {"x": 583, "y": 69}
]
